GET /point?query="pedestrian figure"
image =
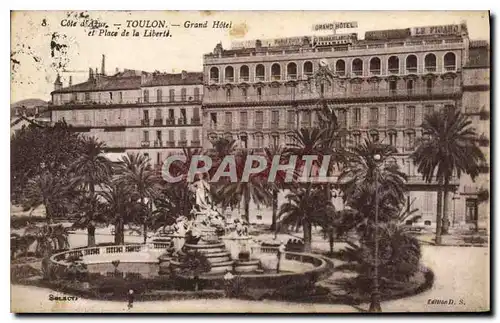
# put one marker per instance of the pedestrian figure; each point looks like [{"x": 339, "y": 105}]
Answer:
[
  {"x": 281, "y": 250},
  {"x": 130, "y": 298}
]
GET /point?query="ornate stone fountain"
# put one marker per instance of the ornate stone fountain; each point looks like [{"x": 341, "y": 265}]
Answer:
[{"x": 202, "y": 234}]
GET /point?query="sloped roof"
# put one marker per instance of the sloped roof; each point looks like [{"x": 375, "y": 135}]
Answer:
[
  {"x": 103, "y": 83},
  {"x": 190, "y": 78}
]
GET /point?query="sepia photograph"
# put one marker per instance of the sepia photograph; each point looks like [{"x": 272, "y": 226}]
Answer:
[{"x": 250, "y": 162}]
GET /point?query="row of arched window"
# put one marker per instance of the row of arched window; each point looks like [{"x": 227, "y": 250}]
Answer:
[{"x": 357, "y": 68}]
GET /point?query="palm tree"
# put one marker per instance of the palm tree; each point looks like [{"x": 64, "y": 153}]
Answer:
[
  {"x": 244, "y": 191},
  {"x": 306, "y": 207},
  {"x": 450, "y": 147},
  {"x": 93, "y": 169},
  {"x": 50, "y": 191},
  {"x": 140, "y": 178},
  {"x": 118, "y": 203}
]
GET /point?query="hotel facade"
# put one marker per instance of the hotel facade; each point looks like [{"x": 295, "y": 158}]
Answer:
[
  {"x": 258, "y": 92},
  {"x": 156, "y": 114}
]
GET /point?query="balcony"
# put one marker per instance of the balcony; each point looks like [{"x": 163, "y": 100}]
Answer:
[
  {"x": 259, "y": 125},
  {"x": 145, "y": 143},
  {"x": 348, "y": 94},
  {"x": 290, "y": 125},
  {"x": 260, "y": 78},
  {"x": 275, "y": 124},
  {"x": 357, "y": 72},
  {"x": 158, "y": 143},
  {"x": 214, "y": 80},
  {"x": 375, "y": 72},
  {"x": 410, "y": 122},
  {"x": 195, "y": 143},
  {"x": 170, "y": 122},
  {"x": 228, "y": 126},
  {"x": 182, "y": 121},
  {"x": 449, "y": 68},
  {"x": 430, "y": 69},
  {"x": 170, "y": 143},
  {"x": 275, "y": 77},
  {"x": 243, "y": 125},
  {"x": 373, "y": 123},
  {"x": 145, "y": 122},
  {"x": 196, "y": 121},
  {"x": 230, "y": 79},
  {"x": 393, "y": 71},
  {"x": 182, "y": 143},
  {"x": 391, "y": 122},
  {"x": 411, "y": 69},
  {"x": 158, "y": 122},
  {"x": 291, "y": 77},
  {"x": 341, "y": 72},
  {"x": 244, "y": 78}
]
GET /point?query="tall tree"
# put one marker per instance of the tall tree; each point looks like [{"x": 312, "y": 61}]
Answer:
[
  {"x": 35, "y": 150},
  {"x": 139, "y": 177},
  {"x": 93, "y": 170},
  {"x": 118, "y": 204},
  {"x": 305, "y": 207},
  {"x": 244, "y": 191},
  {"x": 450, "y": 146}
]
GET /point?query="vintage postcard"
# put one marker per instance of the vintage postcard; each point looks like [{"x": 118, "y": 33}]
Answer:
[{"x": 250, "y": 162}]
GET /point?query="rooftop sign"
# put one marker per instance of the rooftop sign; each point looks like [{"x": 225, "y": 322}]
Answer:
[
  {"x": 335, "y": 25},
  {"x": 334, "y": 39},
  {"x": 439, "y": 30}
]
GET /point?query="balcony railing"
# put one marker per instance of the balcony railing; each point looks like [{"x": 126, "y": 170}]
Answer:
[
  {"x": 373, "y": 123},
  {"x": 259, "y": 125},
  {"x": 158, "y": 143},
  {"x": 357, "y": 72},
  {"x": 170, "y": 143},
  {"x": 145, "y": 143},
  {"x": 411, "y": 69},
  {"x": 196, "y": 120},
  {"x": 145, "y": 122},
  {"x": 449, "y": 67},
  {"x": 181, "y": 121},
  {"x": 430, "y": 68},
  {"x": 182, "y": 143},
  {"x": 290, "y": 125},
  {"x": 375, "y": 72},
  {"x": 243, "y": 125},
  {"x": 230, "y": 79},
  {"x": 244, "y": 78},
  {"x": 291, "y": 77},
  {"x": 410, "y": 122},
  {"x": 393, "y": 70},
  {"x": 391, "y": 122},
  {"x": 347, "y": 94},
  {"x": 214, "y": 80},
  {"x": 228, "y": 126},
  {"x": 195, "y": 143},
  {"x": 260, "y": 78},
  {"x": 275, "y": 77},
  {"x": 274, "y": 124},
  {"x": 158, "y": 122}
]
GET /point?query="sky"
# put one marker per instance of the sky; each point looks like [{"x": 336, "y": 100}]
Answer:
[{"x": 37, "y": 62}]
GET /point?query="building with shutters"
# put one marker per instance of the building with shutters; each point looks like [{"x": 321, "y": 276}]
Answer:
[
  {"x": 257, "y": 92},
  {"x": 134, "y": 111}
]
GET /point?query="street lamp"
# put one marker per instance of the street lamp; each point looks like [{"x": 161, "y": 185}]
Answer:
[{"x": 375, "y": 299}]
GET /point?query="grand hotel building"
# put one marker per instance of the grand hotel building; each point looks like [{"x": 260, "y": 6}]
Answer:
[
  {"x": 156, "y": 114},
  {"x": 258, "y": 92}
]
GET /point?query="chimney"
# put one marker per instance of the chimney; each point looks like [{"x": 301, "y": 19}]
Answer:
[
  {"x": 96, "y": 72},
  {"x": 103, "y": 66},
  {"x": 117, "y": 70},
  {"x": 184, "y": 74},
  {"x": 70, "y": 80},
  {"x": 58, "y": 84},
  {"x": 91, "y": 74}
]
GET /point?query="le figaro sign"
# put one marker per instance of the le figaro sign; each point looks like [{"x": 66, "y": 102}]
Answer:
[{"x": 439, "y": 30}]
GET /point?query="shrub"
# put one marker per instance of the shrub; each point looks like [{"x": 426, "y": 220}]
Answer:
[
  {"x": 20, "y": 272},
  {"x": 244, "y": 255},
  {"x": 399, "y": 255}
]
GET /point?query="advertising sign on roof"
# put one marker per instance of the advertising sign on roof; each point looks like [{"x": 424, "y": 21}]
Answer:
[
  {"x": 334, "y": 39},
  {"x": 439, "y": 30},
  {"x": 335, "y": 25}
]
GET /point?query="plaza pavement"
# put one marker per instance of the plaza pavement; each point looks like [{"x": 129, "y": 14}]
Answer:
[{"x": 461, "y": 274}]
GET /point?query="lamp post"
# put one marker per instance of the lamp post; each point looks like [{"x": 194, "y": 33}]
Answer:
[{"x": 375, "y": 299}]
